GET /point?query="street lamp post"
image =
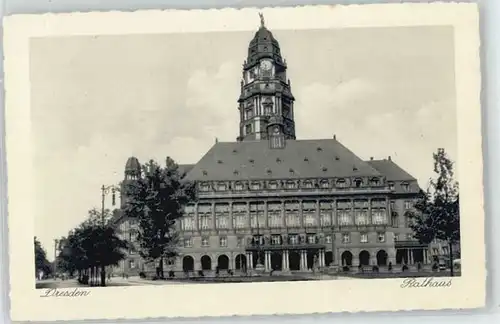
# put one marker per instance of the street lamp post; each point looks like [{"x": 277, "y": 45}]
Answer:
[
  {"x": 105, "y": 190},
  {"x": 56, "y": 242}
]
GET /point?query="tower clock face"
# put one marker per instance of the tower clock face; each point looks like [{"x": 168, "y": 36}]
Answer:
[{"x": 266, "y": 65}]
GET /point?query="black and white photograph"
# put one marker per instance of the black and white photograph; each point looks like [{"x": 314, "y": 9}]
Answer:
[{"x": 263, "y": 154}]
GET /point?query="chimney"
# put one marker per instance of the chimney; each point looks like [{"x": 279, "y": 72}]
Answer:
[
  {"x": 334, "y": 136},
  {"x": 216, "y": 140},
  {"x": 389, "y": 158},
  {"x": 371, "y": 158}
]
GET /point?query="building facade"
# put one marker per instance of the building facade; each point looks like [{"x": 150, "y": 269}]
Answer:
[{"x": 272, "y": 202}]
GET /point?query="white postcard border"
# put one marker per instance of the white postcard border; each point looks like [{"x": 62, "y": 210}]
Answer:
[{"x": 467, "y": 291}]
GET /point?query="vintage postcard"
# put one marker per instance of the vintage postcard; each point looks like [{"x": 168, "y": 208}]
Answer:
[{"x": 282, "y": 160}]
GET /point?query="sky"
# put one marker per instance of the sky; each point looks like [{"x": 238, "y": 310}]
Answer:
[{"x": 96, "y": 100}]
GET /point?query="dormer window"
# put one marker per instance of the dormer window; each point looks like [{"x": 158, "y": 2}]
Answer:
[
  {"x": 319, "y": 149},
  {"x": 255, "y": 186},
  {"x": 204, "y": 187},
  {"x": 306, "y": 159},
  {"x": 251, "y": 161},
  {"x": 290, "y": 185},
  {"x": 238, "y": 186},
  {"x": 278, "y": 160},
  {"x": 324, "y": 184},
  {"x": 324, "y": 169},
  {"x": 341, "y": 183},
  {"x": 405, "y": 186},
  {"x": 221, "y": 186},
  {"x": 337, "y": 158},
  {"x": 308, "y": 184},
  {"x": 375, "y": 182},
  {"x": 269, "y": 172},
  {"x": 391, "y": 185},
  {"x": 273, "y": 185},
  {"x": 235, "y": 172},
  {"x": 219, "y": 161},
  {"x": 291, "y": 171},
  {"x": 204, "y": 172},
  {"x": 358, "y": 183}
]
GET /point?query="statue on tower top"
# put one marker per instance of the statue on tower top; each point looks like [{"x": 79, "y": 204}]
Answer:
[{"x": 261, "y": 15}]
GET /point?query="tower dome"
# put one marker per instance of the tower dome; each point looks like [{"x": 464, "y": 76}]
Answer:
[
  {"x": 263, "y": 45},
  {"x": 132, "y": 168}
]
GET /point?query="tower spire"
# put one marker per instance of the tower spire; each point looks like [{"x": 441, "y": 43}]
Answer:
[{"x": 262, "y": 22}]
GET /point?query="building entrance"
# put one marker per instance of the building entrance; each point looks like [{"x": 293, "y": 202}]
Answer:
[
  {"x": 294, "y": 260},
  {"x": 276, "y": 260}
]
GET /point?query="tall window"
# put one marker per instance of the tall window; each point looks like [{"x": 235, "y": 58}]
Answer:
[
  {"x": 361, "y": 216},
  {"x": 248, "y": 129},
  {"x": 346, "y": 237},
  {"x": 222, "y": 221},
  {"x": 311, "y": 238},
  {"x": 274, "y": 219},
  {"x": 204, "y": 222},
  {"x": 408, "y": 204},
  {"x": 363, "y": 238},
  {"x": 223, "y": 241},
  {"x": 395, "y": 220},
  {"x": 310, "y": 219},
  {"x": 205, "y": 242},
  {"x": 187, "y": 223},
  {"x": 328, "y": 239},
  {"x": 293, "y": 219},
  {"x": 379, "y": 216},
  {"x": 344, "y": 217},
  {"x": 239, "y": 215},
  {"x": 294, "y": 239}
]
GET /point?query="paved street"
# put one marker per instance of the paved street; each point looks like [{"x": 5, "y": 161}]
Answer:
[{"x": 136, "y": 281}]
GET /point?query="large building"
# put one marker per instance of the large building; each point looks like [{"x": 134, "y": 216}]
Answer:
[{"x": 271, "y": 201}]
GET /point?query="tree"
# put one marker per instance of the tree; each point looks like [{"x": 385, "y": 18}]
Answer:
[
  {"x": 41, "y": 262},
  {"x": 92, "y": 246},
  {"x": 157, "y": 200},
  {"x": 437, "y": 211}
]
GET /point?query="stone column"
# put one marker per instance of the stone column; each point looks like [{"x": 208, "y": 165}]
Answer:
[
  {"x": 213, "y": 217},
  {"x": 250, "y": 260},
  {"x": 283, "y": 215},
  {"x": 249, "y": 221},
  {"x": 321, "y": 258},
  {"x": 318, "y": 213},
  {"x": 196, "y": 225},
  {"x": 353, "y": 216},
  {"x": 283, "y": 261},
  {"x": 230, "y": 222},
  {"x": 266, "y": 260},
  {"x": 370, "y": 216},
  {"x": 287, "y": 259},
  {"x": 301, "y": 214},
  {"x": 266, "y": 220}
]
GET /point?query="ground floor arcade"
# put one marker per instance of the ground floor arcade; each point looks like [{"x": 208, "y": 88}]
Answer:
[{"x": 292, "y": 259}]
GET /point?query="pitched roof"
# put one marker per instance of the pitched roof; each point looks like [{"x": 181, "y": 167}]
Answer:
[
  {"x": 391, "y": 170},
  {"x": 185, "y": 168},
  {"x": 298, "y": 159}
]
